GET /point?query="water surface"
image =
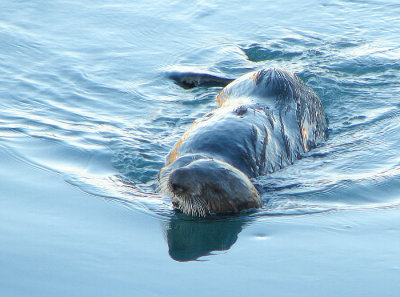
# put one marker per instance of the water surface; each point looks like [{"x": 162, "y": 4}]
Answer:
[{"x": 85, "y": 101}]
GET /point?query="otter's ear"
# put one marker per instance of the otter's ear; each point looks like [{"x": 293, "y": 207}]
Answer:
[{"x": 189, "y": 80}]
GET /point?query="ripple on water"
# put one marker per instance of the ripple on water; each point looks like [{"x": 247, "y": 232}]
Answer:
[{"x": 94, "y": 104}]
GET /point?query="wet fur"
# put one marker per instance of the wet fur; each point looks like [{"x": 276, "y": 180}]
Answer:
[{"x": 265, "y": 121}]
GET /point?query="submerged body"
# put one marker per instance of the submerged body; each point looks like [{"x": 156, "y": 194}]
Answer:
[{"x": 265, "y": 121}]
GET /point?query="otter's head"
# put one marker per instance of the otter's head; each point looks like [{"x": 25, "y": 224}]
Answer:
[{"x": 207, "y": 186}]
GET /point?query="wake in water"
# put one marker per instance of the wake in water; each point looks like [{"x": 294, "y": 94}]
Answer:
[{"x": 110, "y": 138}]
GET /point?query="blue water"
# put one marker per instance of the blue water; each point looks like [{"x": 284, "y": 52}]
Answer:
[{"x": 85, "y": 101}]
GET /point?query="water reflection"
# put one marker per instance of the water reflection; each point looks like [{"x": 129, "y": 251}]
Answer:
[{"x": 191, "y": 238}]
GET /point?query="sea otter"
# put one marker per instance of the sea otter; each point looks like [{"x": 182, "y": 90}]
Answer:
[{"x": 265, "y": 120}]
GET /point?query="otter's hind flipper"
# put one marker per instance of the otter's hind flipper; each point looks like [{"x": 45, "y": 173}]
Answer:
[{"x": 190, "y": 80}]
